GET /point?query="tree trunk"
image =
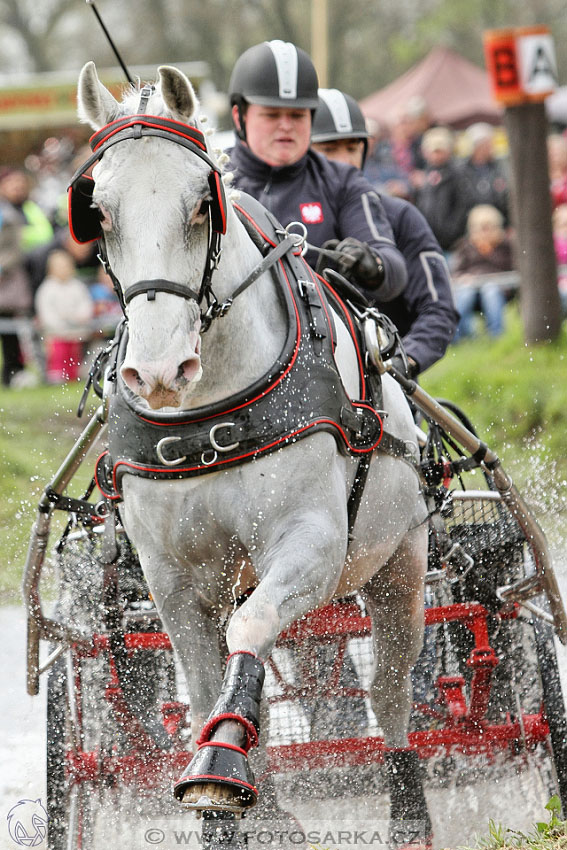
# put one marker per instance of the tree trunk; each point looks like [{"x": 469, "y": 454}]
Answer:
[{"x": 531, "y": 216}]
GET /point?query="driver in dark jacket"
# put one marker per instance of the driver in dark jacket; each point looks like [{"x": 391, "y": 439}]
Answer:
[
  {"x": 424, "y": 312},
  {"x": 273, "y": 92}
]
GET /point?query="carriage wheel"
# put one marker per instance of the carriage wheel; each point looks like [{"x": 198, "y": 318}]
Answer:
[
  {"x": 554, "y": 704},
  {"x": 68, "y": 804},
  {"x": 97, "y": 813}
]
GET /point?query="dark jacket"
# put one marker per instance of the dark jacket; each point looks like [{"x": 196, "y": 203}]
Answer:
[
  {"x": 486, "y": 184},
  {"x": 443, "y": 202},
  {"x": 469, "y": 260},
  {"x": 331, "y": 199},
  {"x": 424, "y": 313}
]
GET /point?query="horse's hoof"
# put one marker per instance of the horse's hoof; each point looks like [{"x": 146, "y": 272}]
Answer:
[
  {"x": 410, "y": 824},
  {"x": 217, "y": 779},
  {"x": 208, "y": 797}
]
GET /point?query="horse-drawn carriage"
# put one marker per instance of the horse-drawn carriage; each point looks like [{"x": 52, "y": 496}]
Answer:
[{"x": 242, "y": 528}]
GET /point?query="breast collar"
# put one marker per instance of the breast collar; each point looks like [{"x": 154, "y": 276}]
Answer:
[{"x": 264, "y": 417}]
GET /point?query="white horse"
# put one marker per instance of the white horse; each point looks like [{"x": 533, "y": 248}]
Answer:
[{"x": 277, "y": 524}]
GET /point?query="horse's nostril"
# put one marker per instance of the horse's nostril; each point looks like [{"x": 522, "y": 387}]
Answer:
[
  {"x": 132, "y": 378},
  {"x": 190, "y": 368}
]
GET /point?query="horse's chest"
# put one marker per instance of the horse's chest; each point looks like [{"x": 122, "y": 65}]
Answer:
[{"x": 204, "y": 522}]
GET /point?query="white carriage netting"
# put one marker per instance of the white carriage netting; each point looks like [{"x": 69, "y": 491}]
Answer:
[{"x": 317, "y": 688}]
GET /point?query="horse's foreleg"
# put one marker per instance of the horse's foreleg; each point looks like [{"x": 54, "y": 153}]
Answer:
[
  {"x": 396, "y": 604},
  {"x": 395, "y": 601},
  {"x": 194, "y": 635},
  {"x": 283, "y": 594}
]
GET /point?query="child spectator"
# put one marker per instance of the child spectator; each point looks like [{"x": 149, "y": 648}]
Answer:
[
  {"x": 107, "y": 309},
  {"x": 485, "y": 250},
  {"x": 64, "y": 309},
  {"x": 559, "y": 221},
  {"x": 107, "y": 312}
]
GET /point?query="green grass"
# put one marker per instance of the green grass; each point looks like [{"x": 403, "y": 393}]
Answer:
[
  {"x": 516, "y": 397},
  {"x": 544, "y": 835},
  {"x": 512, "y": 391},
  {"x": 38, "y": 427}
]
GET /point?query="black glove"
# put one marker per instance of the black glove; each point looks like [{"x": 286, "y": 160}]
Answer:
[
  {"x": 405, "y": 366},
  {"x": 358, "y": 263}
]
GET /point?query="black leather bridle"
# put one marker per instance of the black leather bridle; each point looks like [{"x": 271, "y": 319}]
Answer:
[
  {"x": 83, "y": 219},
  {"x": 85, "y": 223}
]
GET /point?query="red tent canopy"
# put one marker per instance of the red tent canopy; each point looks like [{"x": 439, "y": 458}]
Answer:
[{"x": 456, "y": 92}]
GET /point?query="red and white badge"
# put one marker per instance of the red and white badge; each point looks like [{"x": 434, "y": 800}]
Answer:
[{"x": 312, "y": 213}]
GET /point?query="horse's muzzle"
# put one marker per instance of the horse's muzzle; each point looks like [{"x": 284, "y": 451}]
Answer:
[{"x": 162, "y": 385}]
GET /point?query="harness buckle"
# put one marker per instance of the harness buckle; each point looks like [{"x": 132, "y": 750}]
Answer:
[
  {"x": 310, "y": 295},
  {"x": 300, "y": 238},
  {"x": 215, "y": 311},
  {"x": 215, "y": 258},
  {"x": 224, "y": 307}
]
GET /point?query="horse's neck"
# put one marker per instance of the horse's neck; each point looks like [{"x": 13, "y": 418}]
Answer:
[{"x": 243, "y": 345}]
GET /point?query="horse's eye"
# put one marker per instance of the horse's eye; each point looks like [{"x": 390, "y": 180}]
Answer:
[{"x": 104, "y": 217}]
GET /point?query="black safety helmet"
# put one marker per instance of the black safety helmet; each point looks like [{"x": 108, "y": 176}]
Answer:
[
  {"x": 273, "y": 73},
  {"x": 339, "y": 116}
]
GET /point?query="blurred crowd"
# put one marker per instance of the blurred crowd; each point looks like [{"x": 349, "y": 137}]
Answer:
[
  {"x": 56, "y": 288},
  {"x": 57, "y": 306},
  {"x": 461, "y": 183}
]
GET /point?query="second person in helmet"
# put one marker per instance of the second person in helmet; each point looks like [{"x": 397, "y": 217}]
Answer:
[
  {"x": 424, "y": 312},
  {"x": 273, "y": 95}
]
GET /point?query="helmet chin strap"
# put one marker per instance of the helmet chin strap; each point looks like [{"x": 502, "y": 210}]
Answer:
[{"x": 241, "y": 130}]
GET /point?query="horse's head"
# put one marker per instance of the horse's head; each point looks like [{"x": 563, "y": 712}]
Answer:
[{"x": 154, "y": 201}]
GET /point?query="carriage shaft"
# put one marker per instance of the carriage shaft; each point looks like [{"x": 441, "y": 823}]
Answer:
[
  {"x": 38, "y": 626},
  {"x": 517, "y": 506}
]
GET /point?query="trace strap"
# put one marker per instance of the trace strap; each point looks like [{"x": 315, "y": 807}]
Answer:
[{"x": 220, "y": 309}]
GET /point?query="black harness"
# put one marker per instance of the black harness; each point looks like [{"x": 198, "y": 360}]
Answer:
[
  {"x": 84, "y": 218},
  {"x": 302, "y": 393}
]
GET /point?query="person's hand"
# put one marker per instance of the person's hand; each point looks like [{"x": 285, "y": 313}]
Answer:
[
  {"x": 399, "y": 364},
  {"x": 358, "y": 263}
]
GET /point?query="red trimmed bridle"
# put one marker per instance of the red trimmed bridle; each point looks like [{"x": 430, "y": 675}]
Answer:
[
  {"x": 85, "y": 226},
  {"x": 84, "y": 221}
]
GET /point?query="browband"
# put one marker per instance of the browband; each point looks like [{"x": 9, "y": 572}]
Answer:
[{"x": 141, "y": 125}]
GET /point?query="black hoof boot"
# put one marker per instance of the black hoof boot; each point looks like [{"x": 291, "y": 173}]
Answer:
[
  {"x": 218, "y": 778},
  {"x": 410, "y": 825}
]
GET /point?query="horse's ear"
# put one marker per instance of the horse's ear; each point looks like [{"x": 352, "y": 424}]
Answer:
[
  {"x": 177, "y": 92},
  {"x": 97, "y": 106}
]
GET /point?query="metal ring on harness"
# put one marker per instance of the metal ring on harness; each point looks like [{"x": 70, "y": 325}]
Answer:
[
  {"x": 213, "y": 456},
  {"x": 301, "y": 237}
]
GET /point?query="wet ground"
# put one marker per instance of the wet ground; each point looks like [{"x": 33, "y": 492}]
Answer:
[{"x": 459, "y": 812}]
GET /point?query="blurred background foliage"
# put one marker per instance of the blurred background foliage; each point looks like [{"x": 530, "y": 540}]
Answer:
[{"x": 371, "y": 42}]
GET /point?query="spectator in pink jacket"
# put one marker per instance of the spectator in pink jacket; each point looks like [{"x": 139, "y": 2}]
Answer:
[{"x": 64, "y": 310}]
